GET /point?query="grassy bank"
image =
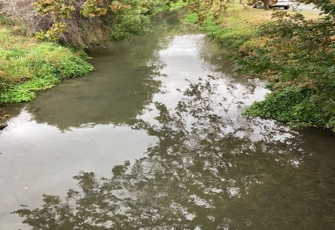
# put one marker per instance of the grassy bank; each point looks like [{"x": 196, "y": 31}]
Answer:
[
  {"x": 295, "y": 54},
  {"x": 27, "y": 66}
]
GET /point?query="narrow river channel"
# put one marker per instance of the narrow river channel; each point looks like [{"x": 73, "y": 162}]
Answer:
[{"x": 154, "y": 139}]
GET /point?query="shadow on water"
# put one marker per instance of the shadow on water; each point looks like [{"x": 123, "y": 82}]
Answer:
[{"x": 200, "y": 174}]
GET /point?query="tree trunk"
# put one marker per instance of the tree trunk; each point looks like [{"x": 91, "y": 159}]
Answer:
[
  {"x": 266, "y": 4},
  {"x": 3, "y": 125}
]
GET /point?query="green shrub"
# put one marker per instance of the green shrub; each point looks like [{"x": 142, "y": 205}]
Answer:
[{"x": 298, "y": 61}]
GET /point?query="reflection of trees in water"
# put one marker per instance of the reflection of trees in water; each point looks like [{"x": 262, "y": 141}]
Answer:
[
  {"x": 103, "y": 97},
  {"x": 215, "y": 58},
  {"x": 122, "y": 86},
  {"x": 199, "y": 175}
]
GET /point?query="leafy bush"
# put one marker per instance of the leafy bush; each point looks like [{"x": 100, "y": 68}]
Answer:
[
  {"x": 297, "y": 57},
  {"x": 191, "y": 18}
]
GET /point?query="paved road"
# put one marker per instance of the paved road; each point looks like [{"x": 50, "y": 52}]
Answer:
[
  {"x": 302, "y": 7},
  {"x": 307, "y": 8}
]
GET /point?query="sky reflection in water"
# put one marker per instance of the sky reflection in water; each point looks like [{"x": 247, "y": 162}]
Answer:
[
  {"x": 200, "y": 175},
  {"x": 187, "y": 161}
]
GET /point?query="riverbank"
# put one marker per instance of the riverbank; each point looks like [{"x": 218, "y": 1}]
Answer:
[
  {"x": 293, "y": 52},
  {"x": 28, "y": 65},
  {"x": 190, "y": 128},
  {"x": 299, "y": 68}
]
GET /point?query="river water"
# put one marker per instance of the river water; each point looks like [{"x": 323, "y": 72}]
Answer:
[{"x": 154, "y": 139}]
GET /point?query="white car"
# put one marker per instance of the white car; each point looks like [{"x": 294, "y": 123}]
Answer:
[
  {"x": 273, "y": 4},
  {"x": 281, "y": 3}
]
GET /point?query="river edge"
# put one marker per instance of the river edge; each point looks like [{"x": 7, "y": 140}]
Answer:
[
  {"x": 82, "y": 58},
  {"x": 268, "y": 45},
  {"x": 237, "y": 44},
  {"x": 83, "y": 138}
]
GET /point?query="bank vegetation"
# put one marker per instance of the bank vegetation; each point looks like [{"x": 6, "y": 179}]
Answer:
[
  {"x": 42, "y": 42},
  {"x": 292, "y": 51}
]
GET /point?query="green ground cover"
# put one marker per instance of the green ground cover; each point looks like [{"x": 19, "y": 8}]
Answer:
[{"x": 27, "y": 66}]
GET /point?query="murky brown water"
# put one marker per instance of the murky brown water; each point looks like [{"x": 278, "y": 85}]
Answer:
[{"x": 164, "y": 115}]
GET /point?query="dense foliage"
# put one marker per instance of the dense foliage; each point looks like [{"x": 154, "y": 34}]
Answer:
[
  {"x": 79, "y": 22},
  {"x": 27, "y": 65},
  {"x": 298, "y": 61},
  {"x": 37, "y": 68},
  {"x": 294, "y": 54},
  {"x": 82, "y": 23}
]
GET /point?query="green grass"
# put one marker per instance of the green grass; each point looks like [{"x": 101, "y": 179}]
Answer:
[
  {"x": 27, "y": 66},
  {"x": 234, "y": 27}
]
